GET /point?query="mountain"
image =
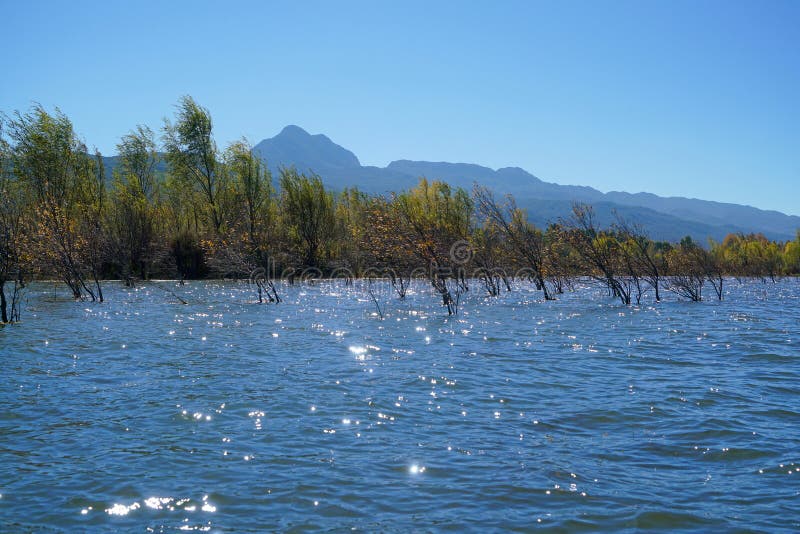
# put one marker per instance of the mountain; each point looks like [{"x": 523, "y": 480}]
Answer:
[
  {"x": 306, "y": 151},
  {"x": 338, "y": 167},
  {"x": 716, "y": 213},
  {"x": 668, "y": 218}
]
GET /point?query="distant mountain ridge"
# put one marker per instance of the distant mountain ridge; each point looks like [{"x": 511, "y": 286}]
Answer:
[{"x": 668, "y": 218}]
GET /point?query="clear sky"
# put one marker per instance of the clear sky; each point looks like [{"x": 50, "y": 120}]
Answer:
[{"x": 686, "y": 98}]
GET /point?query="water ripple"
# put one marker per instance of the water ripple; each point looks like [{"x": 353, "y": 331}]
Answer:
[{"x": 574, "y": 415}]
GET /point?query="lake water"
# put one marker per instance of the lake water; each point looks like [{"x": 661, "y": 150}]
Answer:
[{"x": 223, "y": 415}]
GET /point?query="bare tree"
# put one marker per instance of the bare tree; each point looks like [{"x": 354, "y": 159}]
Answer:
[
  {"x": 645, "y": 257},
  {"x": 715, "y": 266},
  {"x": 526, "y": 240},
  {"x": 687, "y": 264},
  {"x": 488, "y": 246},
  {"x": 599, "y": 251}
]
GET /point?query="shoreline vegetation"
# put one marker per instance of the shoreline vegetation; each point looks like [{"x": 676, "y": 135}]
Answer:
[{"x": 177, "y": 206}]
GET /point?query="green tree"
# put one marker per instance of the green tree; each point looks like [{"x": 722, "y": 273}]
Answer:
[
  {"x": 437, "y": 220},
  {"x": 716, "y": 267},
  {"x": 688, "y": 269},
  {"x": 253, "y": 193},
  {"x": 489, "y": 250},
  {"x": 308, "y": 212},
  {"x": 791, "y": 256},
  {"x": 193, "y": 158},
  {"x": 136, "y": 207},
  {"x": 352, "y": 212},
  {"x": 67, "y": 184},
  {"x": 384, "y": 239},
  {"x": 244, "y": 244}
]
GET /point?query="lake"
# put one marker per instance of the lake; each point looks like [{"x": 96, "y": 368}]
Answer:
[{"x": 141, "y": 414}]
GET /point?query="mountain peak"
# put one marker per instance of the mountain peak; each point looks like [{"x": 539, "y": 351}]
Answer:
[
  {"x": 308, "y": 153},
  {"x": 292, "y": 130}
]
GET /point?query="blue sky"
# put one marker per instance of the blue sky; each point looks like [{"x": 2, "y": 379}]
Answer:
[{"x": 697, "y": 98}]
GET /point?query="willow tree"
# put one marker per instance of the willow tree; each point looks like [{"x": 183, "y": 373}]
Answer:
[
  {"x": 644, "y": 257},
  {"x": 599, "y": 251},
  {"x": 13, "y": 206},
  {"x": 687, "y": 265},
  {"x": 243, "y": 246},
  {"x": 135, "y": 209},
  {"x": 791, "y": 256},
  {"x": 715, "y": 267},
  {"x": 251, "y": 184},
  {"x": 752, "y": 256},
  {"x": 352, "y": 222},
  {"x": 309, "y": 215},
  {"x": 489, "y": 250},
  {"x": 561, "y": 263},
  {"x": 92, "y": 209},
  {"x": 384, "y": 239},
  {"x": 437, "y": 219},
  {"x": 50, "y": 160},
  {"x": 527, "y": 241},
  {"x": 193, "y": 158}
]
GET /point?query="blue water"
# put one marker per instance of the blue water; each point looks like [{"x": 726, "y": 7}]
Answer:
[{"x": 223, "y": 415}]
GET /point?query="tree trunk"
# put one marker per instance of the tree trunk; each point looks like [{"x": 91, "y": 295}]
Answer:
[
  {"x": 99, "y": 289},
  {"x": 3, "y": 302},
  {"x": 543, "y": 286}
]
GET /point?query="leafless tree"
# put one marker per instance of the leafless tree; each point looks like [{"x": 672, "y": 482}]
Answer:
[
  {"x": 526, "y": 240},
  {"x": 599, "y": 251}
]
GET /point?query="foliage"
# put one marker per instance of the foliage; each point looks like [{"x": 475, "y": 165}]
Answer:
[
  {"x": 51, "y": 162},
  {"x": 135, "y": 211},
  {"x": 218, "y": 213},
  {"x": 309, "y": 216},
  {"x": 192, "y": 157}
]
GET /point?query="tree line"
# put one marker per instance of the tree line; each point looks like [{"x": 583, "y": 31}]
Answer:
[{"x": 178, "y": 206}]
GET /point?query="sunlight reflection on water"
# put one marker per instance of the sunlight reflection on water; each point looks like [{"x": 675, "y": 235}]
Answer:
[{"x": 314, "y": 413}]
